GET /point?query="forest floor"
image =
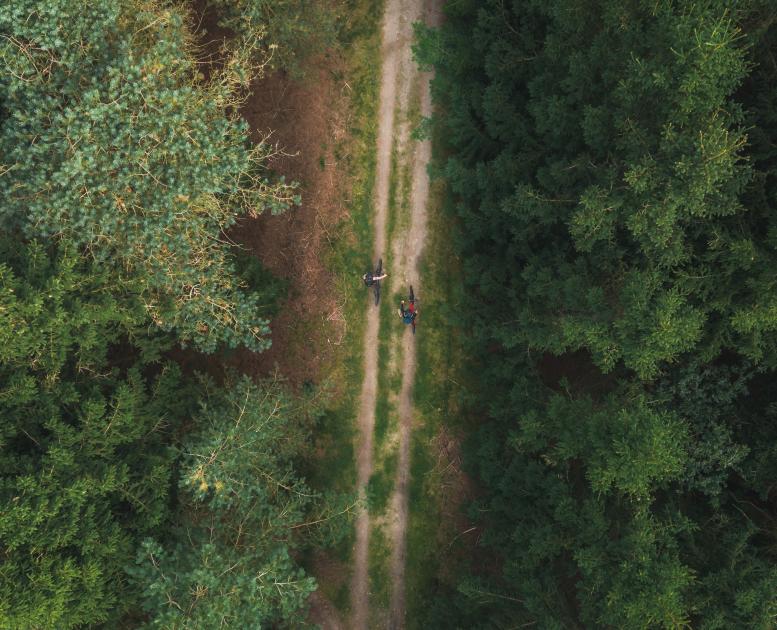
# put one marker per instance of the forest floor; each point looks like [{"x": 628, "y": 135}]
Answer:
[{"x": 386, "y": 411}]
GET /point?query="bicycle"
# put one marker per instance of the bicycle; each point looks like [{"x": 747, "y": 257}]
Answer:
[{"x": 376, "y": 287}]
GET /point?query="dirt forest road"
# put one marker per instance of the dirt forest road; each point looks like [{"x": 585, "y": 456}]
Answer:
[{"x": 401, "y": 82}]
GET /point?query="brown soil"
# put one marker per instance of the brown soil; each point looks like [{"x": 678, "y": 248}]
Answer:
[
  {"x": 453, "y": 489},
  {"x": 323, "y": 613},
  {"x": 333, "y": 573},
  {"x": 306, "y": 120}
]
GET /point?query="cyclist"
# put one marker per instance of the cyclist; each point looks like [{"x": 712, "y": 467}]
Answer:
[
  {"x": 408, "y": 313},
  {"x": 370, "y": 278}
]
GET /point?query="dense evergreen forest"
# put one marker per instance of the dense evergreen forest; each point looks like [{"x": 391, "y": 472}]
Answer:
[
  {"x": 611, "y": 168},
  {"x": 134, "y": 493}
]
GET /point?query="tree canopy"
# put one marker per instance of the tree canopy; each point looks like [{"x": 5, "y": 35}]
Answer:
[
  {"x": 608, "y": 166},
  {"x": 133, "y": 492},
  {"x": 113, "y": 140}
]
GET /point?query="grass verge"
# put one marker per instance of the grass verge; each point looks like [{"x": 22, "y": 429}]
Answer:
[
  {"x": 334, "y": 468},
  {"x": 379, "y": 559},
  {"x": 437, "y": 394}
]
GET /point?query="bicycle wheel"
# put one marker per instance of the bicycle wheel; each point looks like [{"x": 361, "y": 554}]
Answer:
[
  {"x": 377, "y": 292},
  {"x": 412, "y": 297},
  {"x": 379, "y": 270}
]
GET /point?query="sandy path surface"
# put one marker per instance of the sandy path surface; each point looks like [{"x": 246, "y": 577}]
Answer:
[
  {"x": 411, "y": 245},
  {"x": 400, "y": 79},
  {"x": 391, "y": 46}
]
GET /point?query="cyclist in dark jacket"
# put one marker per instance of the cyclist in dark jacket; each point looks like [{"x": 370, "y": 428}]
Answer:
[{"x": 370, "y": 278}]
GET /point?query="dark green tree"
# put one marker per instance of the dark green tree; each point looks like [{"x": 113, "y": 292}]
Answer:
[
  {"x": 610, "y": 169},
  {"x": 84, "y": 464}
]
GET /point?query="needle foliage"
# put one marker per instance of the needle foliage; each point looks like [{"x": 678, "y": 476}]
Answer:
[
  {"x": 133, "y": 493},
  {"x": 611, "y": 171}
]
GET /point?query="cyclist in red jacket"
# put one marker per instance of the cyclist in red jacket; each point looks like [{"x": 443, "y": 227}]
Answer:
[{"x": 408, "y": 313}]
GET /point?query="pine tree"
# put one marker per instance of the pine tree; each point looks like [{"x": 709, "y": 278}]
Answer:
[{"x": 113, "y": 140}]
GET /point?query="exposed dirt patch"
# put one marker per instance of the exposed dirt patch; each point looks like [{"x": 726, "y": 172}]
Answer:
[
  {"x": 307, "y": 120},
  {"x": 323, "y": 613},
  {"x": 333, "y": 574}
]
